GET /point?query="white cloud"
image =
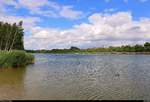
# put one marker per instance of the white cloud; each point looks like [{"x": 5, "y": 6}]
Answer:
[
  {"x": 32, "y": 4},
  {"x": 102, "y": 29},
  {"x": 68, "y": 12},
  {"x": 54, "y": 9},
  {"x": 35, "y": 8},
  {"x": 28, "y": 22}
]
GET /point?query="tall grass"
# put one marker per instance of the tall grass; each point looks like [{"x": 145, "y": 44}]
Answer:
[{"x": 15, "y": 59}]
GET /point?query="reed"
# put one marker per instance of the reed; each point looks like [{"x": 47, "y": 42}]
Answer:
[{"x": 15, "y": 58}]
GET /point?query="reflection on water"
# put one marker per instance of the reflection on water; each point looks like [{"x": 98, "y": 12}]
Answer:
[
  {"x": 11, "y": 83},
  {"x": 79, "y": 77}
]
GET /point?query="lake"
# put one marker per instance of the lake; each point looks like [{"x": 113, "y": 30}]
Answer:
[{"x": 79, "y": 77}]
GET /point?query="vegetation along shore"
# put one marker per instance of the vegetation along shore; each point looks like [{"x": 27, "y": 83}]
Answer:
[
  {"x": 125, "y": 49},
  {"x": 15, "y": 59},
  {"x": 12, "y": 53}
]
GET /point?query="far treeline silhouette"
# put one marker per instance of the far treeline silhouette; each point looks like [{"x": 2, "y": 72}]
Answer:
[
  {"x": 124, "y": 48},
  {"x": 11, "y": 36}
]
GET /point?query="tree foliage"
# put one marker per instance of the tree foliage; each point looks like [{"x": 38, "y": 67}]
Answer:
[
  {"x": 11, "y": 36},
  {"x": 74, "y": 48},
  {"x": 147, "y": 47}
]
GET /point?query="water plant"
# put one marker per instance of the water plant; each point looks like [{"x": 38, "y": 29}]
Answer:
[{"x": 15, "y": 58}]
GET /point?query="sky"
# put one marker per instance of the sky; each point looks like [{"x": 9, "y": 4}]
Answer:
[{"x": 51, "y": 24}]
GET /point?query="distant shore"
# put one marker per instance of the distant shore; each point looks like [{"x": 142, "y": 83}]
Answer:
[
  {"x": 128, "y": 53},
  {"x": 124, "y": 49},
  {"x": 117, "y": 53}
]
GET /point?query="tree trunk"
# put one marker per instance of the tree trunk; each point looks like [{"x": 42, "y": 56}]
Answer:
[
  {"x": 13, "y": 41},
  {"x": 7, "y": 42}
]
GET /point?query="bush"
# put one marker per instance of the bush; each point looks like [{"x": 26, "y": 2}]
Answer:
[
  {"x": 15, "y": 59},
  {"x": 30, "y": 58}
]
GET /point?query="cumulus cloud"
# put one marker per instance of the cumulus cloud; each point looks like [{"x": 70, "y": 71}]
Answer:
[{"x": 101, "y": 30}]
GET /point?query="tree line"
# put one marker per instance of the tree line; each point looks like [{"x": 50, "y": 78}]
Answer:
[
  {"x": 134, "y": 48},
  {"x": 11, "y": 36},
  {"x": 124, "y": 48}
]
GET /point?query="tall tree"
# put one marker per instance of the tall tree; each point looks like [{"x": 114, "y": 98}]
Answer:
[
  {"x": 11, "y": 36},
  {"x": 17, "y": 42}
]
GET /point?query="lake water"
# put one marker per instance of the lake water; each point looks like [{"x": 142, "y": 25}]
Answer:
[{"x": 79, "y": 77}]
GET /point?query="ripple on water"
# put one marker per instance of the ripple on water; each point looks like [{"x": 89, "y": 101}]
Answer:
[{"x": 84, "y": 77}]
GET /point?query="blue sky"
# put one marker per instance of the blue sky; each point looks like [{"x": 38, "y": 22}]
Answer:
[
  {"x": 139, "y": 8},
  {"x": 81, "y": 23}
]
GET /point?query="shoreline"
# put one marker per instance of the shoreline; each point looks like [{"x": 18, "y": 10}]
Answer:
[
  {"x": 131, "y": 53},
  {"x": 115, "y": 53}
]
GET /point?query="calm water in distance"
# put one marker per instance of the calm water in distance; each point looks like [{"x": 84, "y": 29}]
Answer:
[{"x": 75, "y": 76}]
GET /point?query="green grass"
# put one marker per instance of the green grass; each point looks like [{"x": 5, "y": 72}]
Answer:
[{"x": 15, "y": 59}]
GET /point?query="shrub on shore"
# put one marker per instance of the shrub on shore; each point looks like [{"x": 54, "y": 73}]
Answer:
[{"x": 15, "y": 59}]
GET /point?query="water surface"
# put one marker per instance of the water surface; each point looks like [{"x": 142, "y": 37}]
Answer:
[{"x": 75, "y": 76}]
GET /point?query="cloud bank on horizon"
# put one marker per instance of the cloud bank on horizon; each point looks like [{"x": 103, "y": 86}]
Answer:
[{"x": 53, "y": 24}]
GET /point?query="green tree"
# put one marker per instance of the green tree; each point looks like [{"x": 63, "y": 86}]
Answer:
[
  {"x": 11, "y": 36},
  {"x": 138, "y": 48},
  {"x": 74, "y": 48},
  {"x": 18, "y": 38},
  {"x": 147, "y": 46}
]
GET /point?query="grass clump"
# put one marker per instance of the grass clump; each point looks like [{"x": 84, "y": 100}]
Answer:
[{"x": 15, "y": 59}]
